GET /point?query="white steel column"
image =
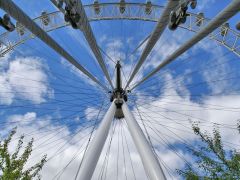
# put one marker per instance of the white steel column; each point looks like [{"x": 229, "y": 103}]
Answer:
[
  {"x": 149, "y": 160},
  {"x": 94, "y": 151}
]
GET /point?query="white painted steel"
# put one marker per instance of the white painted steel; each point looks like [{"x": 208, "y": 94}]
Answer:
[
  {"x": 95, "y": 148},
  {"x": 149, "y": 160},
  {"x": 110, "y": 11},
  {"x": 13, "y": 10},
  {"x": 84, "y": 26},
  {"x": 155, "y": 36},
  {"x": 232, "y": 9}
]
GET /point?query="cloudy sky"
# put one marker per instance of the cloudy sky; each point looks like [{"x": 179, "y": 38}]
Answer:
[{"x": 49, "y": 100}]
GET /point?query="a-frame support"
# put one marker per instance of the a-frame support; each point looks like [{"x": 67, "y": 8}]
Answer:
[
  {"x": 149, "y": 159},
  {"x": 119, "y": 106},
  {"x": 95, "y": 148}
]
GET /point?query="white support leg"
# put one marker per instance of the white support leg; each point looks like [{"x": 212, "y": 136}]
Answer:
[
  {"x": 150, "y": 162},
  {"x": 94, "y": 151}
]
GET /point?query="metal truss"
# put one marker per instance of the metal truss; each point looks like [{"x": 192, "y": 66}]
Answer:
[{"x": 224, "y": 35}]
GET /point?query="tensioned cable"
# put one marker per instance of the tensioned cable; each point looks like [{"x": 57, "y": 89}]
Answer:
[
  {"x": 66, "y": 102},
  {"x": 167, "y": 100},
  {"x": 73, "y": 113},
  {"x": 50, "y": 57},
  {"x": 111, "y": 59},
  {"x": 52, "y": 129},
  {"x": 118, "y": 154},
  {"x": 187, "y": 145},
  {"x": 61, "y": 172},
  {"x": 20, "y": 16},
  {"x": 173, "y": 120},
  {"x": 213, "y": 81},
  {"x": 47, "y": 70},
  {"x": 73, "y": 158},
  {"x": 153, "y": 53},
  {"x": 185, "y": 61},
  {"x": 183, "y": 141},
  {"x": 62, "y": 149},
  {"x": 131, "y": 161},
  {"x": 165, "y": 141},
  {"x": 79, "y": 151},
  {"x": 84, "y": 25},
  {"x": 168, "y": 144},
  {"x": 94, "y": 127},
  {"x": 234, "y": 60},
  {"x": 123, "y": 151},
  {"x": 152, "y": 128},
  {"x": 57, "y": 152},
  {"x": 199, "y": 107},
  {"x": 73, "y": 123},
  {"x": 134, "y": 51},
  {"x": 160, "y": 27},
  {"x": 72, "y": 136},
  {"x": 145, "y": 129},
  {"x": 46, "y": 143},
  {"x": 233, "y": 93},
  {"x": 183, "y": 114},
  {"x": 165, "y": 71},
  {"x": 45, "y": 114},
  {"x": 106, "y": 158},
  {"x": 69, "y": 110},
  {"x": 222, "y": 17},
  {"x": 167, "y": 127},
  {"x": 155, "y": 120}
]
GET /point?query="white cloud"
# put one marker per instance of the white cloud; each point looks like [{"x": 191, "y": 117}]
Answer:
[
  {"x": 171, "y": 116},
  {"x": 215, "y": 67},
  {"x": 163, "y": 113},
  {"x": 79, "y": 73},
  {"x": 23, "y": 77},
  {"x": 51, "y": 137},
  {"x": 114, "y": 48},
  {"x": 91, "y": 113},
  {"x": 204, "y": 4}
]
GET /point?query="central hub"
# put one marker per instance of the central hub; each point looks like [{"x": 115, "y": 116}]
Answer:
[{"x": 118, "y": 94}]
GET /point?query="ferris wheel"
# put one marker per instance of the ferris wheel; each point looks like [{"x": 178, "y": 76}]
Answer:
[{"x": 113, "y": 105}]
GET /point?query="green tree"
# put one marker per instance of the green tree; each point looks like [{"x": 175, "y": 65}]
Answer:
[
  {"x": 12, "y": 165},
  {"x": 212, "y": 160}
]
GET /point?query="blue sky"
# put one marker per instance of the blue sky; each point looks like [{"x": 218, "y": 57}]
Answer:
[{"x": 42, "y": 94}]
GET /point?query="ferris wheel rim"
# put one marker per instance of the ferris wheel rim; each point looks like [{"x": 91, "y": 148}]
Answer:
[{"x": 222, "y": 41}]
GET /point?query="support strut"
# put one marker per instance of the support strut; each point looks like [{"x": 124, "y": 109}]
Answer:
[
  {"x": 149, "y": 160},
  {"x": 13, "y": 10},
  {"x": 155, "y": 36},
  {"x": 94, "y": 151},
  {"x": 228, "y": 12}
]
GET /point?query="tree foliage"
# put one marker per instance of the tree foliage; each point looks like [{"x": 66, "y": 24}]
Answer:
[
  {"x": 12, "y": 164},
  {"x": 212, "y": 160}
]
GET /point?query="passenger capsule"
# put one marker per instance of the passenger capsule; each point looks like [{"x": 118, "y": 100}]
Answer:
[
  {"x": 148, "y": 8},
  {"x": 122, "y": 6},
  {"x": 238, "y": 26},
  {"x": 224, "y": 29},
  {"x": 45, "y": 18},
  {"x": 199, "y": 19},
  {"x": 5, "y": 22},
  {"x": 96, "y": 7},
  {"x": 20, "y": 29}
]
